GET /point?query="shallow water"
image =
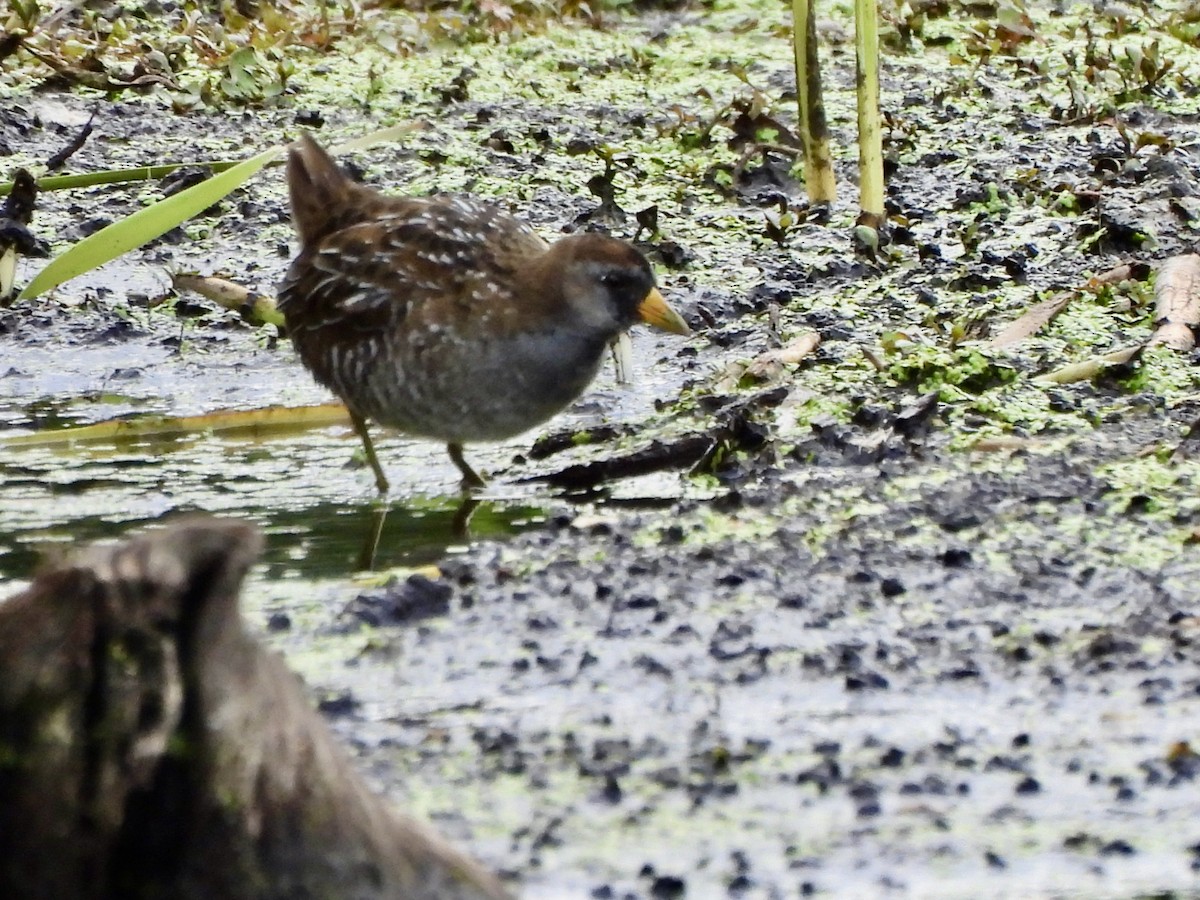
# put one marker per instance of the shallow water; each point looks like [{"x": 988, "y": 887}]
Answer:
[{"x": 304, "y": 487}]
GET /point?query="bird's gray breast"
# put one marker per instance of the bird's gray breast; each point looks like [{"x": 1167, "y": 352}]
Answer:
[{"x": 482, "y": 390}]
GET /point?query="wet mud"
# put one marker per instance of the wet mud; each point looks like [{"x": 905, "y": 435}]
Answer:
[{"x": 931, "y": 633}]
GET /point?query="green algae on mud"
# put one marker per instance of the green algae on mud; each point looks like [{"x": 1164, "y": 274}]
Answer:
[{"x": 907, "y": 631}]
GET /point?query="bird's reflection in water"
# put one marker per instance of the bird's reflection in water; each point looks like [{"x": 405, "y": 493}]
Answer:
[
  {"x": 459, "y": 530},
  {"x": 332, "y": 541},
  {"x": 325, "y": 540}
]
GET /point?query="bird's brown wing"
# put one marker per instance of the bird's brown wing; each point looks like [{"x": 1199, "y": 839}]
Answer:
[{"x": 411, "y": 256}]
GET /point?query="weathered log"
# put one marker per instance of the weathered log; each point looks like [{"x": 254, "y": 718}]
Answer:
[{"x": 151, "y": 748}]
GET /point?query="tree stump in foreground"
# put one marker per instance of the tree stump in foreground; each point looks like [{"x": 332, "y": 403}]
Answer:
[{"x": 149, "y": 747}]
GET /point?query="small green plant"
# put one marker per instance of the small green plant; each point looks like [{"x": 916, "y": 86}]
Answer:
[
  {"x": 950, "y": 370},
  {"x": 1142, "y": 69}
]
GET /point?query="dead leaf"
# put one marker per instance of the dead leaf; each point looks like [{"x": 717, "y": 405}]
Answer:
[
  {"x": 1034, "y": 320},
  {"x": 1090, "y": 368},
  {"x": 253, "y": 423},
  {"x": 621, "y": 348},
  {"x": 1042, "y": 314},
  {"x": 254, "y": 307},
  {"x": 769, "y": 366},
  {"x": 499, "y": 11},
  {"x": 1131, "y": 271},
  {"x": 1177, "y": 302},
  {"x": 1004, "y": 444}
]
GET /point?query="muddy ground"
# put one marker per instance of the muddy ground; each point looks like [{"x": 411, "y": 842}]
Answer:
[{"x": 920, "y": 625}]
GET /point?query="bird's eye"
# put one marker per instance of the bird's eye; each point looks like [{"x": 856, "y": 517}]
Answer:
[{"x": 614, "y": 278}]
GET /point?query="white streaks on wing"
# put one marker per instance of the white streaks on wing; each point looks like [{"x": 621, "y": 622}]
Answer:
[
  {"x": 335, "y": 367},
  {"x": 361, "y": 299}
]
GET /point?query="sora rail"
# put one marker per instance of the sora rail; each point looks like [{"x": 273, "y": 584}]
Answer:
[{"x": 447, "y": 318}]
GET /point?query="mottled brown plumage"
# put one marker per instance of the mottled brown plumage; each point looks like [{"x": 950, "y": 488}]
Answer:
[{"x": 445, "y": 317}]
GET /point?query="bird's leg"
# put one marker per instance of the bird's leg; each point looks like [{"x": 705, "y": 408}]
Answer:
[
  {"x": 460, "y": 527},
  {"x": 366, "y": 555},
  {"x": 360, "y": 425},
  {"x": 470, "y": 479}
]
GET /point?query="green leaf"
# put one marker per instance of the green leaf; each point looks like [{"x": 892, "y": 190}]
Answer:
[
  {"x": 114, "y": 176},
  {"x": 144, "y": 225},
  {"x": 147, "y": 224}
]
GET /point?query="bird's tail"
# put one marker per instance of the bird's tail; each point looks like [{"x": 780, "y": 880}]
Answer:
[{"x": 318, "y": 188}]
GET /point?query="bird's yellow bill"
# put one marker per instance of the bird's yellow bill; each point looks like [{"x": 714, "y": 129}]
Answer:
[{"x": 656, "y": 311}]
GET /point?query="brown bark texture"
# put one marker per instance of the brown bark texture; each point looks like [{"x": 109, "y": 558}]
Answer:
[{"x": 151, "y": 748}]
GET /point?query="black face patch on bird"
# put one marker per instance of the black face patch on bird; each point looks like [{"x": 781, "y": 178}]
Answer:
[{"x": 626, "y": 286}]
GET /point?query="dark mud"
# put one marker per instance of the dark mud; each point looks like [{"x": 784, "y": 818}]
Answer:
[{"x": 897, "y": 648}]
